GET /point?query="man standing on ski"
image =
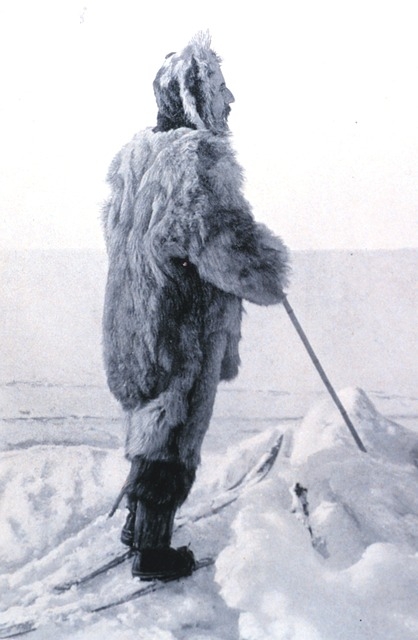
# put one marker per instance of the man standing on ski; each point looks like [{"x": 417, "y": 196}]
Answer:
[{"x": 184, "y": 250}]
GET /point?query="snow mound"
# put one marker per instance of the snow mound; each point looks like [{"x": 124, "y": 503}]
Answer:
[
  {"x": 323, "y": 428},
  {"x": 337, "y": 557},
  {"x": 49, "y": 493}
]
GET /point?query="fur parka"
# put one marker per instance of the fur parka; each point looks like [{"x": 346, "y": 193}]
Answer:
[{"x": 184, "y": 250}]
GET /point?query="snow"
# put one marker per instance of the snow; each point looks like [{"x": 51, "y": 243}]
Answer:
[
  {"x": 355, "y": 574},
  {"x": 58, "y": 490},
  {"x": 337, "y": 561}
]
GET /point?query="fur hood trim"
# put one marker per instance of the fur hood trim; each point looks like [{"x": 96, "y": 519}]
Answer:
[{"x": 182, "y": 86}]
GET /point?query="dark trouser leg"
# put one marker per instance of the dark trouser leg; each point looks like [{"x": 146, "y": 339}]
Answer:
[
  {"x": 153, "y": 527},
  {"x": 156, "y": 488},
  {"x": 147, "y": 527}
]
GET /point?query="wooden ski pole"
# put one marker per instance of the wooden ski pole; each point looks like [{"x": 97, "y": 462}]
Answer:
[{"x": 322, "y": 374}]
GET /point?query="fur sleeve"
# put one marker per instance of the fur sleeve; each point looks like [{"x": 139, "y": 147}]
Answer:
[{"x": 235, "y": 253}]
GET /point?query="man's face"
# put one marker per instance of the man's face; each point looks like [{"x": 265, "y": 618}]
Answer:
[{"x": 222, "y": 98}]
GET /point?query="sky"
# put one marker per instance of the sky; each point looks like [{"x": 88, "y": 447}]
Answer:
[{"x": 324, "y": 120}]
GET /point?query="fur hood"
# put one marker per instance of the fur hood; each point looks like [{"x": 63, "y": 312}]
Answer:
[{"x": 183, "y": 90}]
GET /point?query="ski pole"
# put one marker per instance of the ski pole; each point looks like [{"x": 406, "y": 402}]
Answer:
[{"x": 322, "y": 374}]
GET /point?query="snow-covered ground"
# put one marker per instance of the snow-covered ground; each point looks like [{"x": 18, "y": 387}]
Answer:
[{"x": 338, "y": 562}]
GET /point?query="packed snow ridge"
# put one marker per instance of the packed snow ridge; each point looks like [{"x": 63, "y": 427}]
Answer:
[
  {"x": 324, "y": 548},
  {"x": 352, "y": 570}
]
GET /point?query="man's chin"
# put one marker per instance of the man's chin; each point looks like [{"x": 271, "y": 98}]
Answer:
[
  {"x": 220, "y": 125},
  {"x": 225, "y": 125}
]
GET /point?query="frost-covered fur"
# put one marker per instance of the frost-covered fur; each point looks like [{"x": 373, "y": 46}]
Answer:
[{"x": 184, "y": 250}]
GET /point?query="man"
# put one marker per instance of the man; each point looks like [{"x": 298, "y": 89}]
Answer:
[{"x": 184, "y": 250}]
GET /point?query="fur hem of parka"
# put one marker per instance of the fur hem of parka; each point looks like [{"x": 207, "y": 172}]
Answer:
[{"x": 184, "y": 250}]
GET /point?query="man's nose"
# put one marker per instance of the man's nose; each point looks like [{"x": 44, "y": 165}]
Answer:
[{"x": 229, "y": 96}]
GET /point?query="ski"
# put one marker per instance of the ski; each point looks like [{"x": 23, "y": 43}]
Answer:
[
  {"x": 144, "y": 589},
  {"x": 117, "y": 560},
  {"x": 15, "y": 630},
  {"x": 150, "y": 587},
  {"x": 223, "y": 500}
]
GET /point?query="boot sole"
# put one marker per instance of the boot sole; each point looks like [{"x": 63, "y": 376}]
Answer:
[{"x": 164, "y": 577}]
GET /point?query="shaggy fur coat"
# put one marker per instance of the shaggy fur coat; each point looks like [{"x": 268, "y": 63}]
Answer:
[{"x": 184, "y": 250}]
